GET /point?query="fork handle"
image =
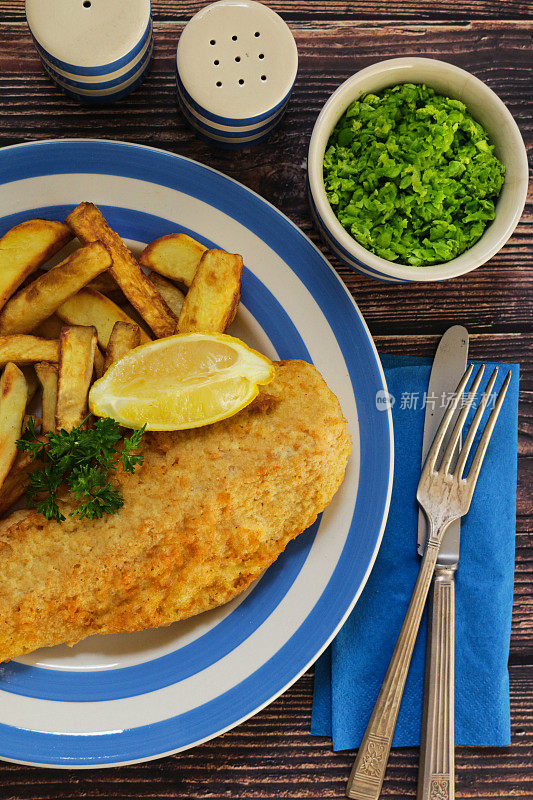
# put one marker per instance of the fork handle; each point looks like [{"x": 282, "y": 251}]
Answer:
[
  {"x": 368, "y": 771},
  {"x": 436, "y": 777}
]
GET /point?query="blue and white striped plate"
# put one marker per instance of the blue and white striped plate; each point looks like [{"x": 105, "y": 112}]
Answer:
[{"x": 131, "y": 697}]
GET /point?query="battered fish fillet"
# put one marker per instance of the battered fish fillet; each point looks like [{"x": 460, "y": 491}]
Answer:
[{"x": 204, "y": 515}]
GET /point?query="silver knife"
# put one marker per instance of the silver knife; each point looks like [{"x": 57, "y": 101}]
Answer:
[{"x": 436, "y": 777}]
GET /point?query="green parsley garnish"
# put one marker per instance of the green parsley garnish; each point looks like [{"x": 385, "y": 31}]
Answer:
[
  {"x": 82, "y": 460},
  {"x": 411, "y": 175}
]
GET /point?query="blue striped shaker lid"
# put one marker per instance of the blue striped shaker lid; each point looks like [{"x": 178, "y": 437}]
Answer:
[
  {"x": 236, "y": 62},
  {"x": 89, "y": 37}
]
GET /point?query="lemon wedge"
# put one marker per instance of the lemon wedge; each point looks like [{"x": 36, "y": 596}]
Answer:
[{"x": 179, "y": 382}]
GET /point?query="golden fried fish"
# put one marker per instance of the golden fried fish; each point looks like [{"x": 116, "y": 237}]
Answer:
[{"x": 205, "y": 514}]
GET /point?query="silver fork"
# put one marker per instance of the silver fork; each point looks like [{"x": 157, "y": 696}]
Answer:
[{"x": 445, "y": 495}]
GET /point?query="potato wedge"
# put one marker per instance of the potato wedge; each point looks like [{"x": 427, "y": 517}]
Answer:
[
  {"x": 49, "y": 328},
  {"x": 212, "y": 300},
  {"x": 89, "y": 307},
  {"x": 48, "y": 375},
  {"x": 98, "y": 363},
  {"x": 31, "y": 380},
  {"x": 173, "y": 297},
  {"x": 175, "y": 256},
  {"x": 135, "y": 317},
  {"x": 106, "y": 284},
  {"x": 15, "y": 483},
  {"x": 25, "y": 248},
  {"x": 124, "y": 338},
  {"x": 13, "y": 399},
  {"x": 38, "y": 273},
  {"x": 87, "y": 222},
  {"x": 39, "y": 300},
  {"x": 24, "y": 349},
  {"x": 76, "y": 358}
]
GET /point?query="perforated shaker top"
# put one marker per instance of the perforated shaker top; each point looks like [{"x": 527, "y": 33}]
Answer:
[
  {"x": 237, "y": 59},
  {"x": 88, "y": 33}
]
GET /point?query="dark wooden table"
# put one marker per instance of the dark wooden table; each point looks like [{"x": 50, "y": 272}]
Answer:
[{"x": 272, "y": 755}]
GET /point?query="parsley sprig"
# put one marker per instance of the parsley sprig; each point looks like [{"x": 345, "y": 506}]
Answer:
[{"x": 83, "y": 460}]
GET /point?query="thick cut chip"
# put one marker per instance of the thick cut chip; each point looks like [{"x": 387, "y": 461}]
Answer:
[
  {"x": 89, "y": 307},
  {"x": 49, "y": 328},
  {"x": 48, "y": 378},
  {"x": 212, "y": 300},
  {"x": 13, "y": 399},
  {"x": 31, "y": 380},
  {"x": 76, "y": 361},
  {"x": 24, "y": 349},
  {"x": 175, "y": 256},
  {"x": 106, "y": 284},
  {"x": 37, "y": 301},
  {"x": 38, "y": 273},
  {"x": 89, "y": 225},
  {"x": 124, "y": 337},
  {"x": 25, "y": 248},
  {"x": 98, "y": 362},
  {"x": 172, "y": 296}
]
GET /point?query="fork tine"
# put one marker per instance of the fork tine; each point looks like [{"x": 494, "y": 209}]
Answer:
[
  {"x": 479, "y": 455},
  {"x": 454, "y": 438},
  {"x": 474, "y": 425},
  {"x": 446, "y": 420}
]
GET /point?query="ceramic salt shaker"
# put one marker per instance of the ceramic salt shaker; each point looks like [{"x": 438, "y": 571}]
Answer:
[
  {"x": 236, "y": 64},
  {"x": 96, "y": 50}
]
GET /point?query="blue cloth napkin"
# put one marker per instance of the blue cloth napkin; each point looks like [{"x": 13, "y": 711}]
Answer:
[{"x": 349, "y": 674}]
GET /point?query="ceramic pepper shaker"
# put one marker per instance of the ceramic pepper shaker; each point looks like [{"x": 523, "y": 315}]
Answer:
[{"x": 236, "y": 65}]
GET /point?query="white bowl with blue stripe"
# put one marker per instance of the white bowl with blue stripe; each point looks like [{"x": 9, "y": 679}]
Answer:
[
  {"x": 131, "y": 697},
  {"x": 236, "y": 64},
  {"x": 483, "y": 104},
  {"x": 97, "y": 52}
]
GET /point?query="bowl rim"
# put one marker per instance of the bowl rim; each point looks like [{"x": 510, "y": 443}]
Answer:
[{"x": 329, "y": 115}]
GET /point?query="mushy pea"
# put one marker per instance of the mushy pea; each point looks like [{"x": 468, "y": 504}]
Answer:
[{"x": 411, "y": 175}]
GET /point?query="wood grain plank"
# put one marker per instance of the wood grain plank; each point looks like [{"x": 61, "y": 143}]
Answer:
[
  {"x": 295, "y": 10},
  {"x": 273, "y": 756}
]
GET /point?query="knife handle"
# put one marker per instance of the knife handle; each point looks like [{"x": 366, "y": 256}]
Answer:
[
  {"x": 368, "y": 771},
  {"x": 436, "y": 777}
]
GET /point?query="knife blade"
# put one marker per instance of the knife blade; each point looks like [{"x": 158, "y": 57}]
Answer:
[{"x": 448, "y": 367}]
